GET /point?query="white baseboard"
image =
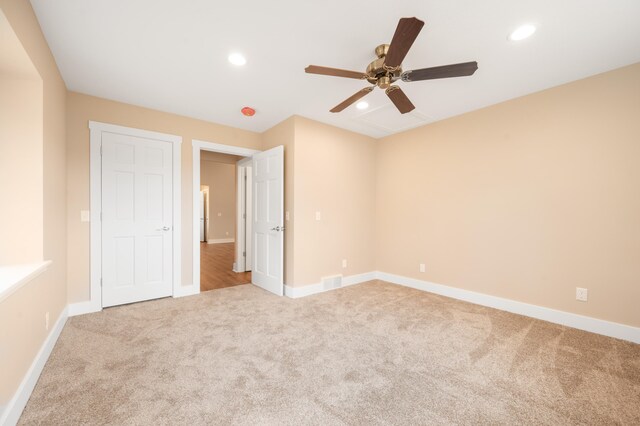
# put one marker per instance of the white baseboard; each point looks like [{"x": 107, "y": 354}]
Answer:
[
  {"x": 308, "y": 290},
  {"x": 186, "y": 290},
  {"x": 581, "y": 322},
  {"x": 82, "y": 308},
  {"x": 90, "y": 307},
  {"x": 13, "y": 410},
  {"x": 221, "y": 241},
  {"x": 359, "y": 278}
]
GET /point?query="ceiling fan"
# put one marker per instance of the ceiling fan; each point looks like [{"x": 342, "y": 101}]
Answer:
[{"x": 387, "y": 69}]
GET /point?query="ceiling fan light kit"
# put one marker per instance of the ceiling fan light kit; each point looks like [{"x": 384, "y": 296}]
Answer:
[{"x": 387, "y": 68}]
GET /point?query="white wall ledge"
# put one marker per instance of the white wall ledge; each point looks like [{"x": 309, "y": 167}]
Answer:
[{"x": 12, "y": 277}]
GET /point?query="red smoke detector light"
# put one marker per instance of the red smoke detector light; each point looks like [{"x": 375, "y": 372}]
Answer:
[{"x": 248, "y": 111}]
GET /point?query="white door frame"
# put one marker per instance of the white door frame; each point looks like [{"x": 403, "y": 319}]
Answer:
[
  {"x": 244, "y": 180},
  {"x": 199, "y": 145},
  {"x": 95, "y": 180}
]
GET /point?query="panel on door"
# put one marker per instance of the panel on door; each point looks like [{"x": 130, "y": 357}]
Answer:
[
  {"x": 137, "y": 219},
  {"x": 268, "y": 226}
]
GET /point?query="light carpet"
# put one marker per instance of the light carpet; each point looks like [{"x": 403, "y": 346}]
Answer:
[{"x": 373, "y": 353}]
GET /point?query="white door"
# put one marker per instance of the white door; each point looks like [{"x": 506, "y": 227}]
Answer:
[
  {"x": 268, "y": 226},
  {"x": 248, "y": 236},
  {"x": 137, "y": 219},
  {"x": 202, "y": 206}
]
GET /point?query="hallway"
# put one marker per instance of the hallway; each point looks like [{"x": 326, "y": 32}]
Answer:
[{"x": 216, "y": 267}]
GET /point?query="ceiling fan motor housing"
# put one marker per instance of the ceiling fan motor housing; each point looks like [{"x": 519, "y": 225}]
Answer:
[{"x": 377, "y": 73}]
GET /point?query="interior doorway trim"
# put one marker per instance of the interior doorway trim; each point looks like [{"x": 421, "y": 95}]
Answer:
[
  {"x": 199, "y": 145},
  {"x": 95, "y": 179},
  {"x": 244, "y": 217}
]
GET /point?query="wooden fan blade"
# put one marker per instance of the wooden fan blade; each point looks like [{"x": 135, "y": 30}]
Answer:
[
  {"x": 315, "y": 69},
  {"x": 362, "y": 93},
  {"x": 406, "y": 33},
  {"x": 445, "y": 71},
  {"x": 399, "y": 99}
]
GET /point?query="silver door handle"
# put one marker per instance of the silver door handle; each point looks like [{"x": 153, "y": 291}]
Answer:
[
  {"x": 164, "y": 228},
  {"x": 278, "y": 229}
]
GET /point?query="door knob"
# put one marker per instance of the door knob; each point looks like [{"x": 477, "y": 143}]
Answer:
[
  {"x": 164, "y": 228},
  {"x": 278, "y": 229}
]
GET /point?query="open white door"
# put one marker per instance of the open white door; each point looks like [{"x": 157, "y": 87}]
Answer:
[
  {"x": 268, "y": 226},
  {"x": 202, "y": 217}
]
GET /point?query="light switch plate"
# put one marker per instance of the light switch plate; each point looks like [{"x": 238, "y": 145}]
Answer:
[
  {"x": 318, "y": 216},
  {"x": 85, "y": 216},
  {"x": 286, "y": 215}
]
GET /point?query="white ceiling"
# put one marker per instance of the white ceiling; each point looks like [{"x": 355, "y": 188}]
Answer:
[{"x": 171, "y": 55}]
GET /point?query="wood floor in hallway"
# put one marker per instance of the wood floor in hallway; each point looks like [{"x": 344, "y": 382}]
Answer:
[{"x": 216, "y": 267}]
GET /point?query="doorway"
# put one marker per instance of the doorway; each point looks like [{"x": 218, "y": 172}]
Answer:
[
  {"x": 222, "y": 222},
  {"x": 267, "y": 224}
]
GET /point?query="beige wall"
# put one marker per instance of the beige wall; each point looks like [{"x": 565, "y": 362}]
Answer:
[
  {"x": 22, "y": 324},
  {"x": 284, "y": 134},
  {"x": 334, "y": 175},
  {"x": 80, "y": 110},
  {"x": 221, "y": 180},
  {"x": 219, "y": 158},
  {"x": 332, "y": 171},
  {"x": 21, "y": 170},
  {"x": 526, "y": 200}
]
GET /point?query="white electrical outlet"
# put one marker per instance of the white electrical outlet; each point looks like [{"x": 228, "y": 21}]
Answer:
[
  {"x": 344, "y": 263},
  {"x": 46, "y": 321},
  {"x": 318, "y": 216},
  {"x": 423, "y": 267},
  {"x": 227, "y": 233},
  {"x": 219, "y": 214},
  {"x": 582, "y": 294}
]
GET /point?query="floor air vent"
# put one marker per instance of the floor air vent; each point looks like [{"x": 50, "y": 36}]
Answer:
[{"x": 329, "y": 283}]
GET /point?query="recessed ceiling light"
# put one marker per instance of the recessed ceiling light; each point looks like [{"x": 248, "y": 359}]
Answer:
[
  {"x": 237, "y": 59},
  {"x": 362, "y": 105},
  {"x": 522, "y": 32}
]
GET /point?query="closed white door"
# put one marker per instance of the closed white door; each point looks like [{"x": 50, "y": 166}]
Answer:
[
  {"x": 268, "y": 226},
  {"x": 137, "y": 219}
]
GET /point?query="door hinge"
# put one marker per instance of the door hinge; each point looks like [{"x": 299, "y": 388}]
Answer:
[
  {"x": 100, "y": 281},
  {"x": 100, "y": 216},
  {"x": 100, "y": 150},
  {"x": 244, "y": 215},
  {"x": 244, "y": 254}
]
